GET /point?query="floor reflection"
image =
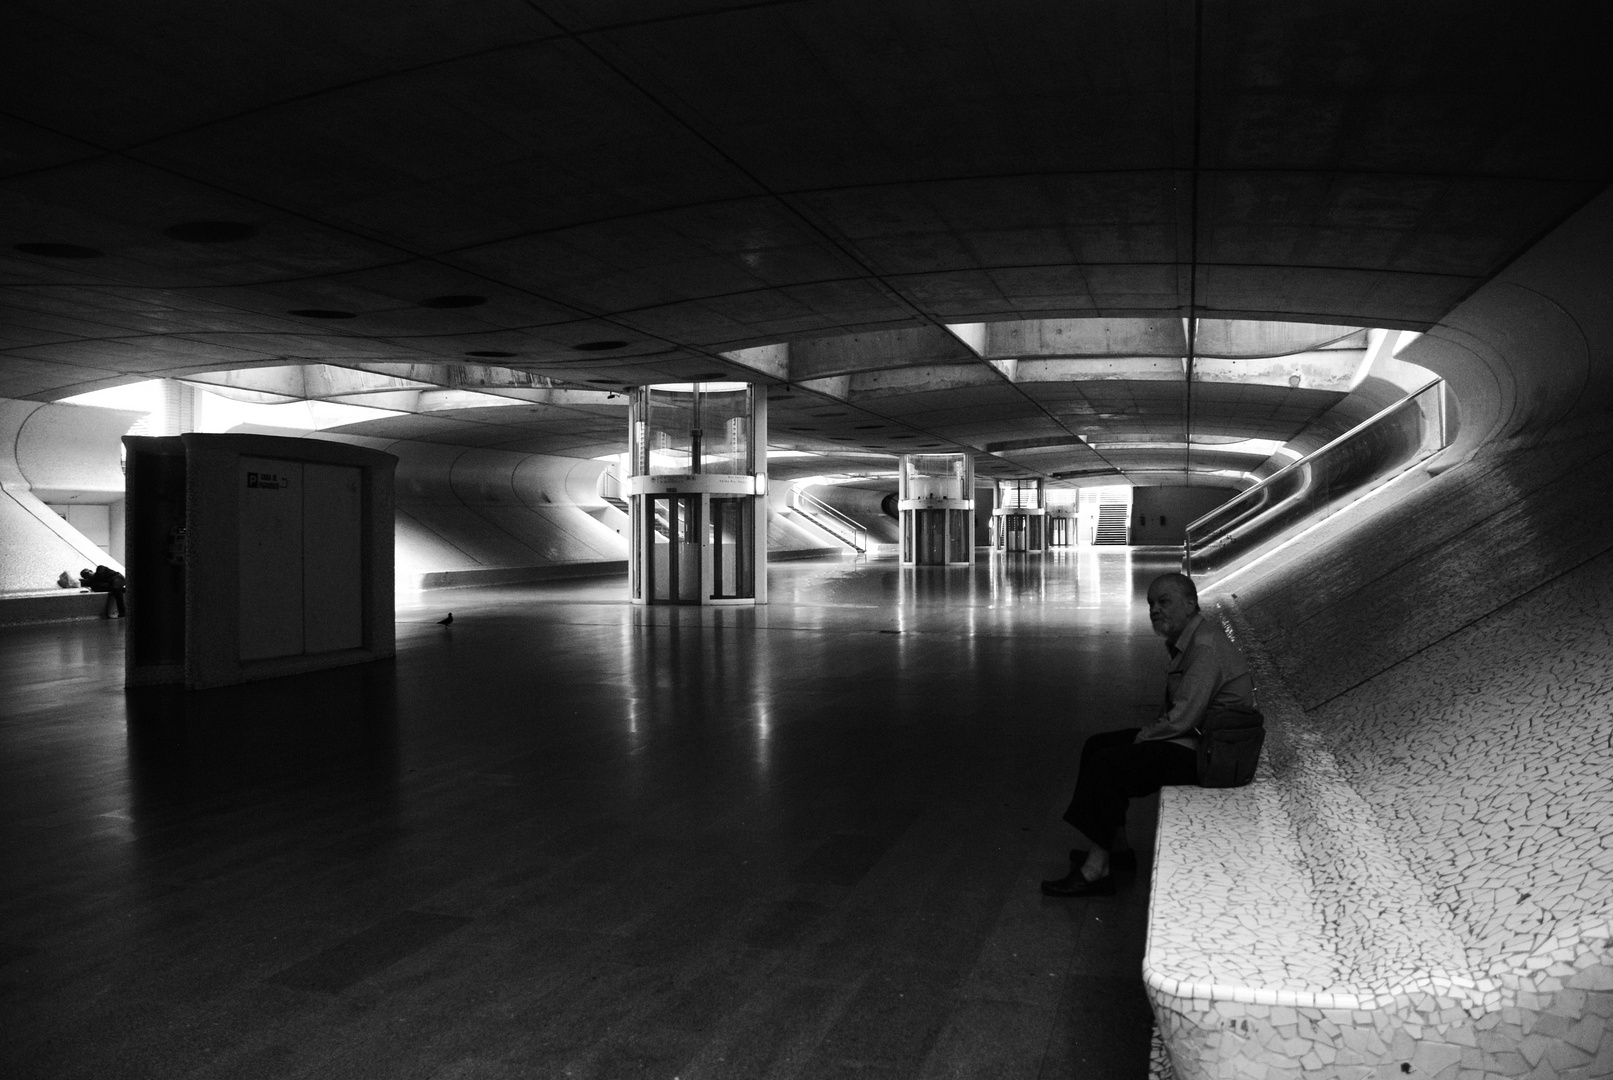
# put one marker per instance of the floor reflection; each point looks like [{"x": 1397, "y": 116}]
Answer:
[{"x": 565, "y": 822}]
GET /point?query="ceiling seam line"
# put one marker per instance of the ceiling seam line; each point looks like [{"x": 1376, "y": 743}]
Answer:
[
  {"x": 843, "y": 246},
  {"x": 1193, "y": 238}
]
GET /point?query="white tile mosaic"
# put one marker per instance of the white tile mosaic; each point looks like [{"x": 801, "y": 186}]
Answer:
[{"x": 1420, "y": 881}]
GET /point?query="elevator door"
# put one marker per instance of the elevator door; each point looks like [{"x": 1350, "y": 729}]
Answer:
[
  {"x": 673, "y": 529},
  {"x": 1014, "y": 531},
  {"x": 733, "y": 548},
  {"x": 932, "y": 538}
]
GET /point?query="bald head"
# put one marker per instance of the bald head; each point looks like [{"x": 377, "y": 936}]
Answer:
[
  {"x": 1173, "y": 599},
  {"x": 1181, "y": 584}
]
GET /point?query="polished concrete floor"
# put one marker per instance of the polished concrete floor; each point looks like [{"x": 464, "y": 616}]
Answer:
[{"x": 567, "y": 837}]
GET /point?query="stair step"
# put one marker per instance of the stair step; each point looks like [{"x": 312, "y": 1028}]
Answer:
[{"x": 1114, "y": 524}]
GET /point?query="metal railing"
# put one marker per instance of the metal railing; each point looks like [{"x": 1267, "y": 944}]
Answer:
[
  {"x": 827, "y": 518},
  {"x": 1409, "y": 431}
]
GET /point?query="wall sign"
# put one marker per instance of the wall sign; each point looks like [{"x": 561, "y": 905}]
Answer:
[{"x": 267, "y": 480}]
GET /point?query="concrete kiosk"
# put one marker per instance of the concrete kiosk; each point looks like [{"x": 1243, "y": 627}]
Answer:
[{"x": 254, "y": 556}]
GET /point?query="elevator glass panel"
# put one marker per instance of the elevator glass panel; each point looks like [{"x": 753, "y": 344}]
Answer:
[
  {"x": 733, "y": 548},
  {"x": 960, "y": 539},
  {"x": 1035, "y": 529},
  {"x": 932, "y": 537},
  {"x": 1014, "y": 530},
  {"x": 674, "y": 540}
]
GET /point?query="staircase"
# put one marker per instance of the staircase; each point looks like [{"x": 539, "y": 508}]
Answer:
[
  {"x": 610, "y": 488},
  {"x": 830, "y": 520},
  {"x": 1114, "y": 524}
]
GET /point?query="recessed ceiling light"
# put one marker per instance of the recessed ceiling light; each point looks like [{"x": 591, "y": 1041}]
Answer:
[
  {"x": 453, "y": 301},
  {"x": 708, "y": 376},
  {"x": 211, "y": 232},
  {"x": 904, "y": 436},
  {"x": 607, "y": 382},
  {"x": 488, "y": 352},
  {"x": 599, "y": 346},
  {"x": 321, "y": 313},
  {"x": 60, "y": 251},
  {"x": 868, "y": 427}
]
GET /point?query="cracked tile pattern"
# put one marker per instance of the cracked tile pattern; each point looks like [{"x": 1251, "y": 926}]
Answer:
[{"x": 1420, "y": 881}]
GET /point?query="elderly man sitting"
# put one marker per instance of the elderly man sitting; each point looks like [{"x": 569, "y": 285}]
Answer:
[{"x": 1205, "y": 671}]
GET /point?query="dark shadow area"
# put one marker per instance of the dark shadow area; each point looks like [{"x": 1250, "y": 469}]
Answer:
[{"x": 234, "y": 745}]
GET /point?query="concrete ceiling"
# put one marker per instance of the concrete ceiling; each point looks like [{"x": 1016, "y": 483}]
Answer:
[{"x": 924, "y": 225}]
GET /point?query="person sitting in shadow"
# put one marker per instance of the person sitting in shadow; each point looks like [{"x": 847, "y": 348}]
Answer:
[
  {"x": 1205, "y": 670},
  {"x": 107, "y": 580}
]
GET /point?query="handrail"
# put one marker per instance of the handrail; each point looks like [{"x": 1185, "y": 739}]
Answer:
[
  {"x": 815, "y": 506},
  {"x": 1306, "y": 486}
]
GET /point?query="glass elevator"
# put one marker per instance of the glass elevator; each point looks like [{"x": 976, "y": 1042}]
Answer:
[
  {"x": 1019, "y": 520},
  {"x": 936, "y": 503},
  {"x": 697, "y": 494}
]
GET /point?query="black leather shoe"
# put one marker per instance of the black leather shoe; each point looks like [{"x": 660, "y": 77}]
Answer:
[
  {"x": 1077, "y": 885},
  {"x": 1118, "y": 860}
]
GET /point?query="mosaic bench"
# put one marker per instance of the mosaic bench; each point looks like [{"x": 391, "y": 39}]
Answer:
[
  {"x": 50, "y": 605},
  {"x": 1291, "y": 935}
]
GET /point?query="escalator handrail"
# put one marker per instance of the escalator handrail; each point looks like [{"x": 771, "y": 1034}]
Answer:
[
  {"x": 802, "y": 502},
  {"x": 1253, "y": 490}
]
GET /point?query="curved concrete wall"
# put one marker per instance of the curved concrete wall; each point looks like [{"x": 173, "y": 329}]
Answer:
[
  {"x": 65, "y": 453},
  {"x": 1451, "y": 647},
  {"x": 866, "y": 508},
  {"x": 1530, "y": 355},
  {"x": 490, "y": 516},
  {"x": 1521, "y": 498},
  {"x": 463, "y": 509},
  {"x": 70, "y": 453}
]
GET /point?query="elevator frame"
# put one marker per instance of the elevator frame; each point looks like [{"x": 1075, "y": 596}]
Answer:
[
  {"x": 1019, "y": 520},
  {"x": 935, "y": 500},
  {"x": 697, "y": 520}
]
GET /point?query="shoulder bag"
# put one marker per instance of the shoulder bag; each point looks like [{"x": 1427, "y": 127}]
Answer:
[{"x": 1230, "y": 739}]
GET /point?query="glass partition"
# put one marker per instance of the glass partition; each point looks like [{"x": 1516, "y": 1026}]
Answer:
[
  {"x": 1019, "y": 494},
  {"x": 1405, "y": 433},
  {"x": 937, "y": 476},
  {"x": 692, "y": 429}
]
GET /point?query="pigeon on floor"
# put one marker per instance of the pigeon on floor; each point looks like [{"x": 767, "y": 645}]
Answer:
[{"x": 449, "y": 621}]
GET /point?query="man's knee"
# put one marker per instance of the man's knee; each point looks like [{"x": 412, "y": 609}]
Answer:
[{"x": 1105, "y": 741}]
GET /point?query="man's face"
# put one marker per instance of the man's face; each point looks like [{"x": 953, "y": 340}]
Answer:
[{"x": 1168, "y": 610}]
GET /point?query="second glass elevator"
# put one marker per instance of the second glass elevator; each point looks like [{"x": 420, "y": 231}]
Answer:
[
  {"x": 936, "y": 503},
  {"x": 1019, "y": 520}
]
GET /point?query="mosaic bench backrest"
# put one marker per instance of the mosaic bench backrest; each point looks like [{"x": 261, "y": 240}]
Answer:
[{"x": 1487, "y": 759}]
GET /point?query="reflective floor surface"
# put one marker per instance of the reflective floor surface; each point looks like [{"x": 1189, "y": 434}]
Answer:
[{"x": 568, "y": 837}]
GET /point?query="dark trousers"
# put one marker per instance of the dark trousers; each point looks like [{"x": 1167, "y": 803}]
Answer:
[
  {"x": 114, "y": 595},
  {"x": 1115, "y": 770}
]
